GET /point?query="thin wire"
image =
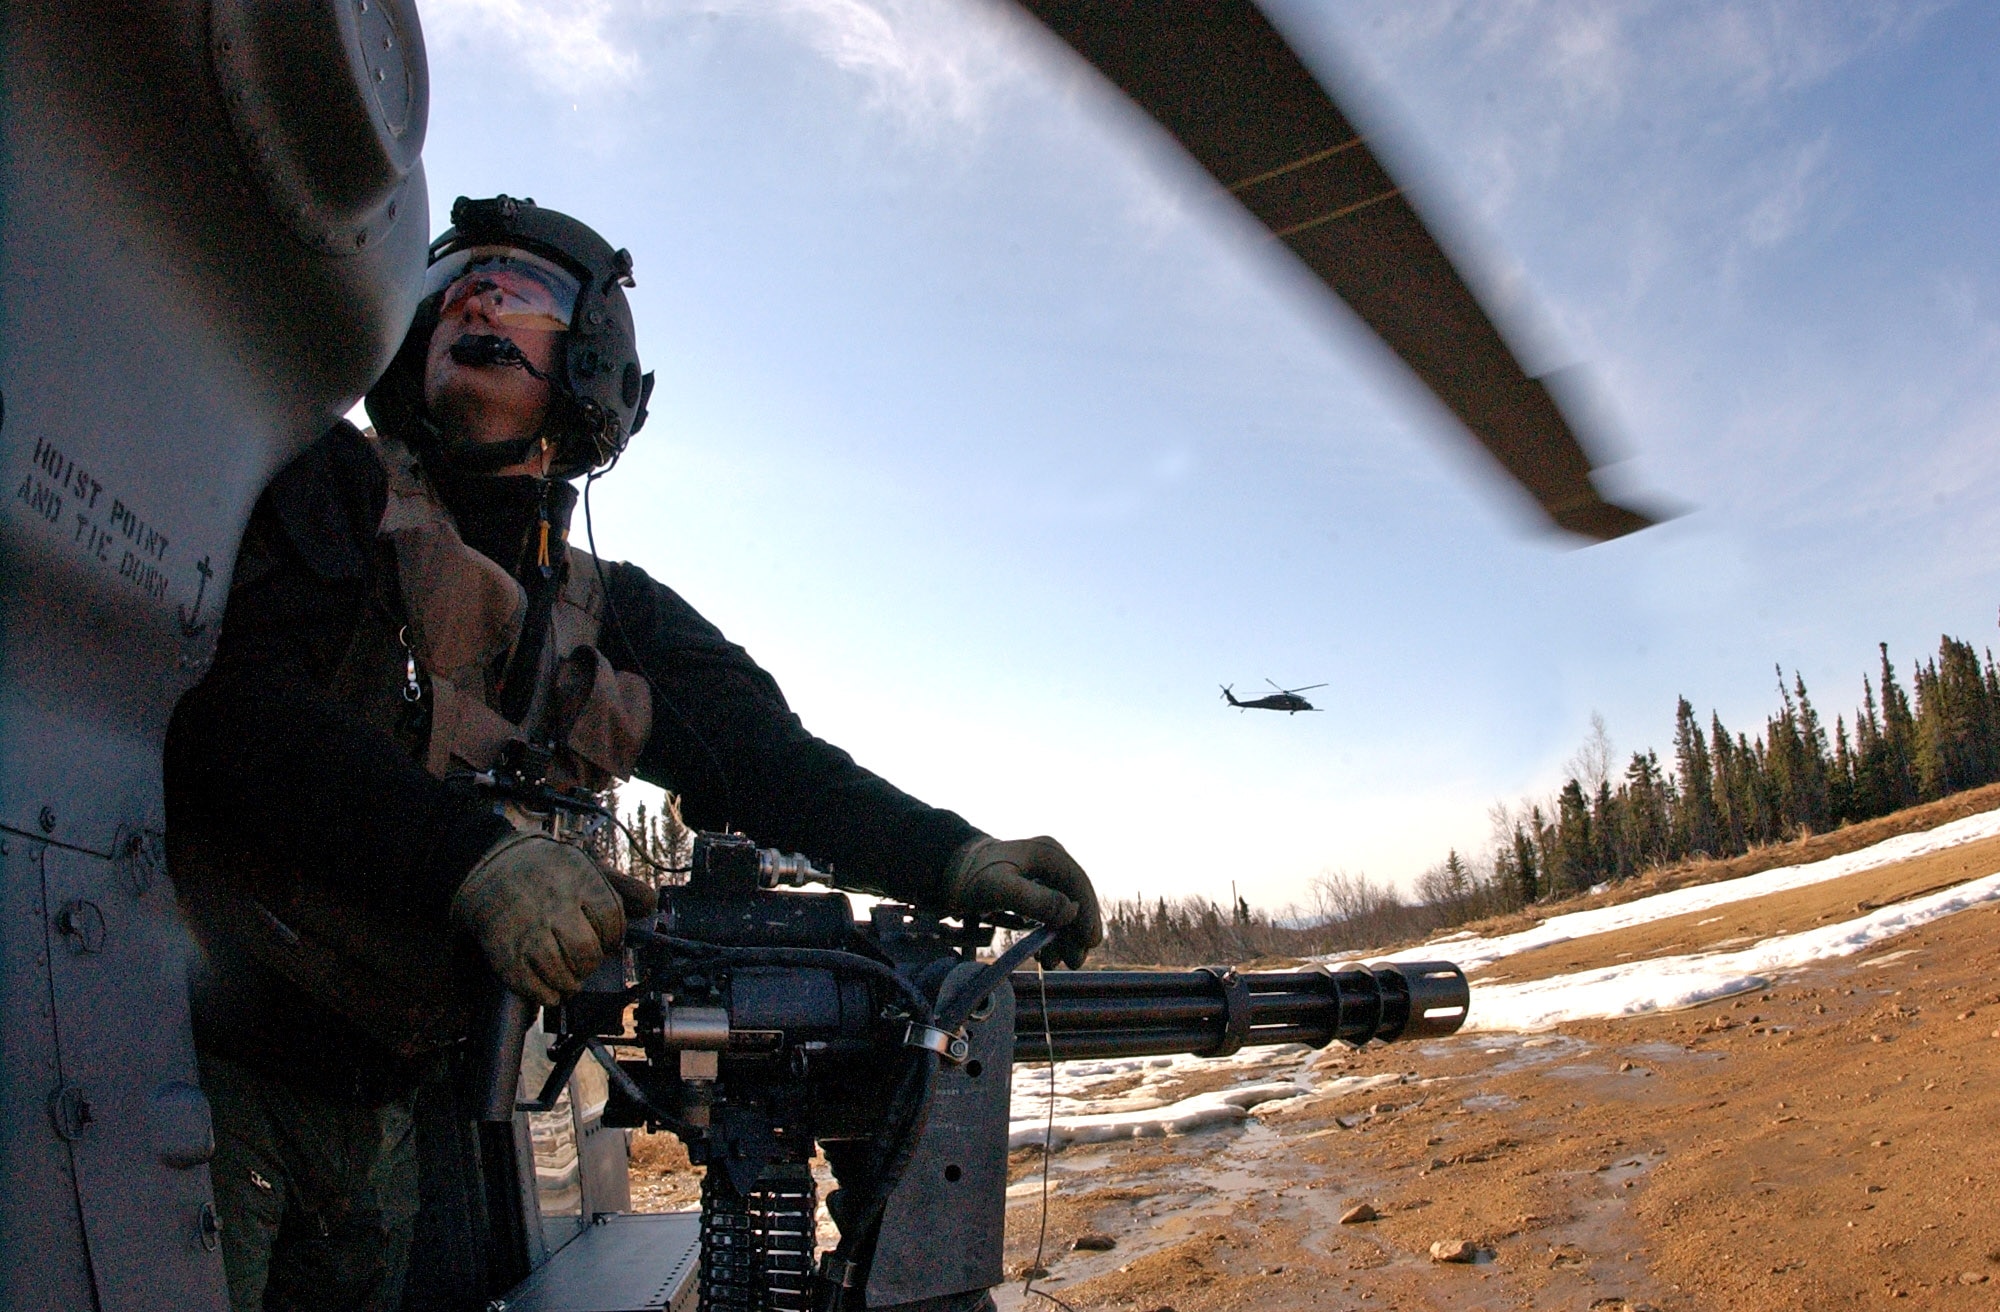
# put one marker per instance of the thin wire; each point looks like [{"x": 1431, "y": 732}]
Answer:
[
  {"x": 639, "y": 848},
  {"x": 1043, "y": 1293},
  {"x": 1048, "y": 1150},
  {"x": 633, "y": 845}
]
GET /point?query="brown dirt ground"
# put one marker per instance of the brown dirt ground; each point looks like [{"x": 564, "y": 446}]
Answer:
[
  {"x": 662, "y": 1178},
  {"x": 1818, "y": 1145}
]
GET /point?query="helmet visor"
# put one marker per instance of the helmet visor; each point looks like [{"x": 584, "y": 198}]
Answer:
[{"x": 512, "y": 287}]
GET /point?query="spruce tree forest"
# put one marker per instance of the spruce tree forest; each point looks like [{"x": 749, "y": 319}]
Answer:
[
  {"x": 1723, "y": 793},
  {"x": 1720, "y": 793}
]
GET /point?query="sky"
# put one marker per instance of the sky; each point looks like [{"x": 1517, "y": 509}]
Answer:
[{"x": 1001, "y": 439}]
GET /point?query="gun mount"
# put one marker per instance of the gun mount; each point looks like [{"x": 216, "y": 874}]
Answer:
[{"x": 757, "y": 1024}]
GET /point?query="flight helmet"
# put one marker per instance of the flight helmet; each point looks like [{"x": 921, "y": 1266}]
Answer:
[{"x": 544, "y": 268}]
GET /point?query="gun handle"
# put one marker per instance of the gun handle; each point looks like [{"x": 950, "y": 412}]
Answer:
[{"x": 494, "y": 1072}]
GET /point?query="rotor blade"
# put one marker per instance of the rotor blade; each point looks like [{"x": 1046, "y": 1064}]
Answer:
[
  {"x": 1221, "y": 80},
  {"x": 1308, "y": 688}
]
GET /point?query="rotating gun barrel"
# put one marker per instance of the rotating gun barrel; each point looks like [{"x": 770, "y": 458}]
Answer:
[{"x": 1072, "y": 1015}]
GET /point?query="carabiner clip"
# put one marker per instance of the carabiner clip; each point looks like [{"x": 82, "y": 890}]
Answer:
[{"x": 413, "y": 691}]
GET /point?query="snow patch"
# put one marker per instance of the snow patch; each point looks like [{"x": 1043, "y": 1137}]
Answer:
[
  {"x": 1133, "y": 1117},
  {"x": 1224, "y": 1107},
  {"x": 1471, "y": 953},
  {"x": 1665, "y": 983}
]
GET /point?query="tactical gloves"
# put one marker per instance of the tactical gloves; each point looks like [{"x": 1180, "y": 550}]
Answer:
[
  {"x": 545, "y": 914},
  {"x": 1031, "y": 877}
]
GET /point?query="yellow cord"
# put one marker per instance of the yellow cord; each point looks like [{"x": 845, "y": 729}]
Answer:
[{"x": 542, "y": 550}]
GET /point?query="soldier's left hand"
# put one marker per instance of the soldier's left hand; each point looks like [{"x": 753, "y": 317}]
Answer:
[{"x": 1032, "y": 877}]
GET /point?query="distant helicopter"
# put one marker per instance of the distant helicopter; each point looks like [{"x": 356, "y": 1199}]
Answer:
[{"x": 1284, "y": 699}]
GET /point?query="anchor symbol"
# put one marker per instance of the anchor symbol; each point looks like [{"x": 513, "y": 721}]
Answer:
[{"x": 188, "y": 626}]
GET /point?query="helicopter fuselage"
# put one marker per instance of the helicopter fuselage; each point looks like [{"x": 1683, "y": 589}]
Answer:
[{"x": 1289, "y": 702}]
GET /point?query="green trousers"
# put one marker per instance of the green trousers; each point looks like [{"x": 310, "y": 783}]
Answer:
[{"x": 317, "y": 1196}]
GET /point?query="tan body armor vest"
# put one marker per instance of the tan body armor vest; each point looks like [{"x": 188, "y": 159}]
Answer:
[
  {"x": 439, "y": 627},
  {"x": 464, "y": 616}
]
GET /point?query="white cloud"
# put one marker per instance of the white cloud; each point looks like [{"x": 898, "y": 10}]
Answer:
[
  {"x": 921, "y": 60},
  {"x": 569, "y": 46},
  {"x": 1589, "y": 54},
  {"x": 1557, "y": 75},
  {"x": 1783, "y": 209},
  {"x": 925, "y": 62}
]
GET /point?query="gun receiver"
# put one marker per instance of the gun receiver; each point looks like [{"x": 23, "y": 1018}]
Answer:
[{"x": 757, "y": 1024}]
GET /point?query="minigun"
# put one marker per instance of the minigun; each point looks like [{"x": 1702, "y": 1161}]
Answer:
[{"x": 756, "y": 1022}]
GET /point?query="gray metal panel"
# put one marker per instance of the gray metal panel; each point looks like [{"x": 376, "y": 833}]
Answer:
[
  {"x": 554, "y": 1173},
  {"x": 627, "y": 1262},
  {"x": 572, "y": 1167},
  {"x": 607, "y": 1167},
  {"x": 527, "y": 1189},
  {"x": 166, "y": 343},
  {"x": 549, "y": 1155},
  {"x": 118, "y": 961},
  {"x": 946, "y": 1220},
  {"x": 38, "y": 1212},
  {"x": 607, "y": 1175}
]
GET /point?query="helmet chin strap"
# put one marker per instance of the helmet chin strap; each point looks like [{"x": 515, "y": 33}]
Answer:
[{"x": 469, "y": 455}]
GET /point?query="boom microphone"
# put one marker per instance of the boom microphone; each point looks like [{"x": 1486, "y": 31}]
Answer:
[{"x": 485, "y": 350}]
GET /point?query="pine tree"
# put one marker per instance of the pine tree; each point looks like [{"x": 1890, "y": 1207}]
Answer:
[
  {"x": 1783, "y": 760},
  {"x": 1930, "y": 745},
  {"x": 1815, "y": 798},
  {"x": 1527, "y": 872},
  {"x": 1991, "y": 691},
  {"x": 1755, "y": 787},
  {"x": 1728, "y": 805},
  {"x": 1899, "y": 733},
  {"x": 1604, "y": 833},
  {"x": 1506, "y": 880},
  {"x": 1644, "y": 813},
  {"x": 1572, "y": 868},
  {"x": 1992, "y": 682},
  {"x": 1457, "y": 879},
  {"x": 1840, "y": 783},
  {"x": 1696, "y": 823},
  {"x": 1872, "y": 793},
  {"x": 1952, "y": 722}
]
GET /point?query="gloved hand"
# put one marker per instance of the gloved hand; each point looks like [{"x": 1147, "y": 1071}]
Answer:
[
  {"x": 544, "y": 914},
  {"x": 1032, "y": 877}
]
